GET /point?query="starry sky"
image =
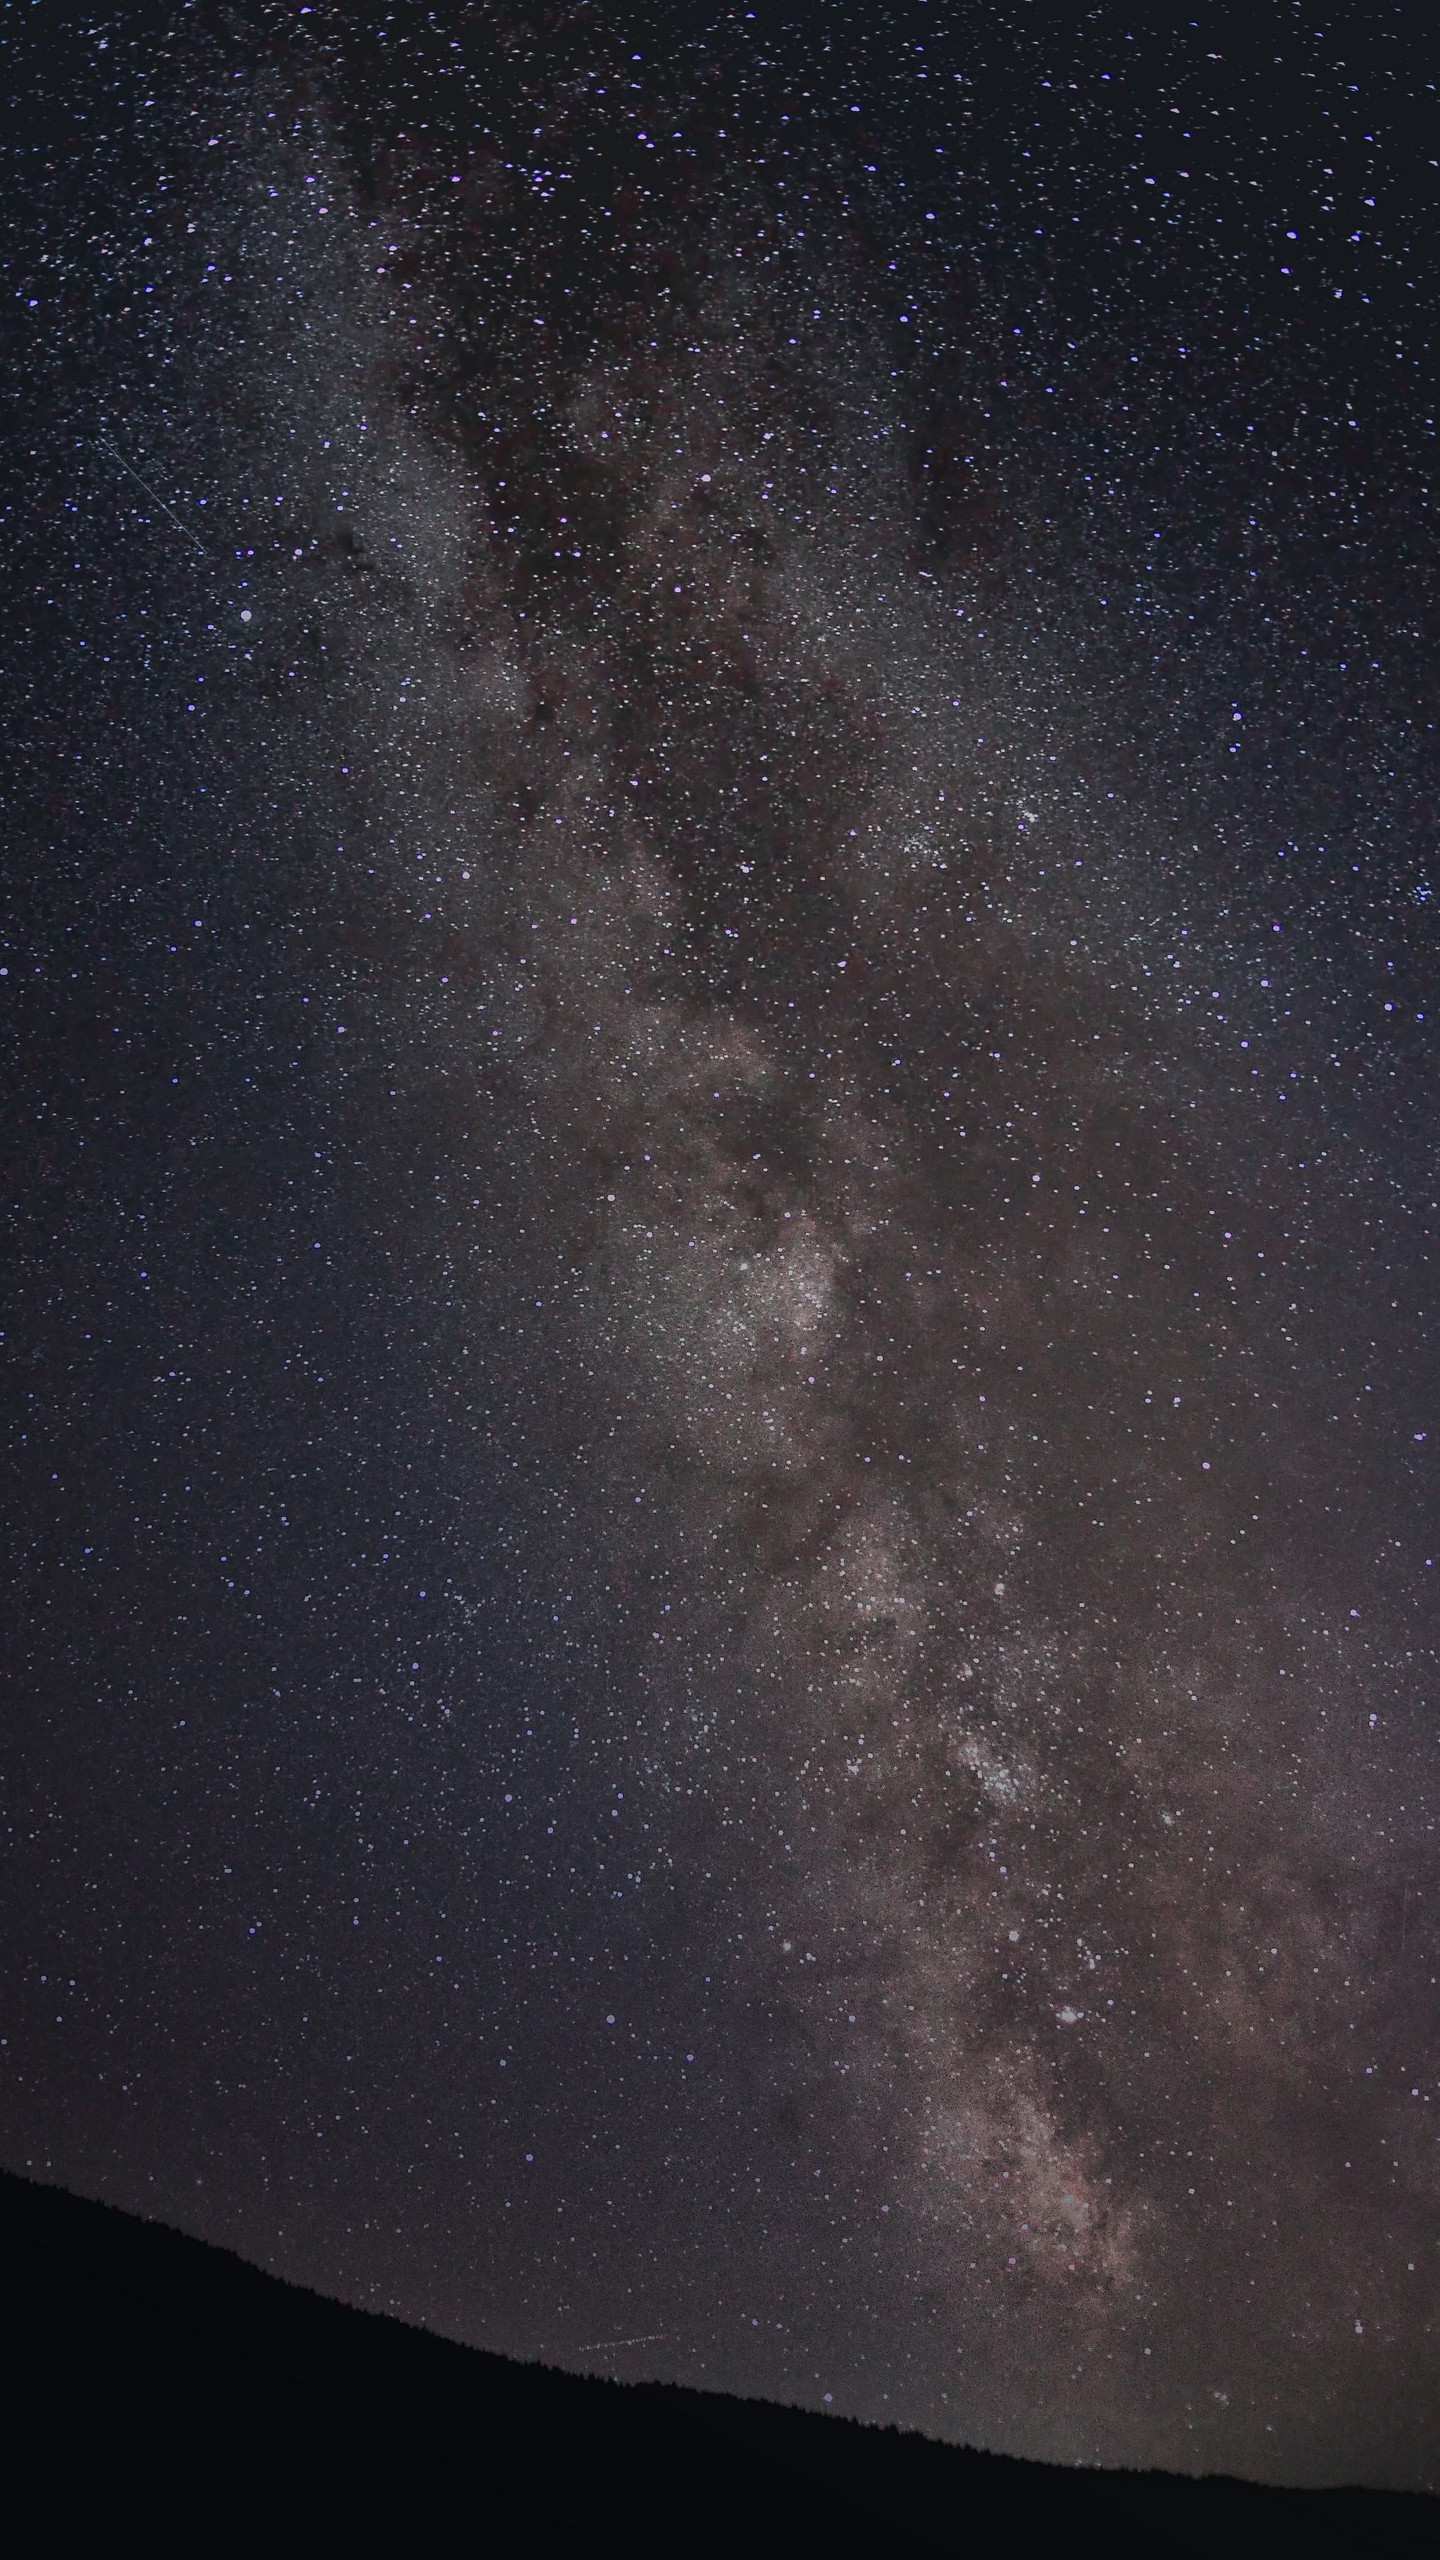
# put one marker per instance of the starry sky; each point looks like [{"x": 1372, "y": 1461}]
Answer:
[{"x": 719, "y": 1084}]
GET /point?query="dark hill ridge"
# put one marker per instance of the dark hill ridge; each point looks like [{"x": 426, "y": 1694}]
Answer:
[{"x": 167, "y": 2380}]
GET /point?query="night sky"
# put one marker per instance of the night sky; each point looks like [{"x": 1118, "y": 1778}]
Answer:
[{"x": 720, "y": 1104}]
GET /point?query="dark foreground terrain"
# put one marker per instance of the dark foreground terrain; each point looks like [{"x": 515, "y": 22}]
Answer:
[{"x": 165, "y": 2383}]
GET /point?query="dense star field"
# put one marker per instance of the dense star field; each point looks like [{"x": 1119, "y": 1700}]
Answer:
[{"x": 720, "y": 1110}]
